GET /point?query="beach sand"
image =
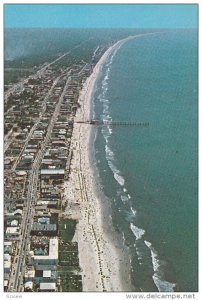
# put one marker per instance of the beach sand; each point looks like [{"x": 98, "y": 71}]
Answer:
[{"x": 100, "y": 256}]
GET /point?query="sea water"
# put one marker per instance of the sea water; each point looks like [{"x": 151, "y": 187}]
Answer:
[{"x": 149, "y": 173}]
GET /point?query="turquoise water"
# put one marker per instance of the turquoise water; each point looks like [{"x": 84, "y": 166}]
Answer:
[{"x": 149, "y": 174}]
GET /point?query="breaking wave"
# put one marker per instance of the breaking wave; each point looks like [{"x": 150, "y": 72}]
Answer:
[
  {"x": 138, "y": 232},
  {"x": 161, "y": 284}
]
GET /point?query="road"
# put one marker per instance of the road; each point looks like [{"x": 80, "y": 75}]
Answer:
[
  {"x": 19, "y": 86},
  {"x": 37, "y": 121},
  {"x": 17, "y": 279}
]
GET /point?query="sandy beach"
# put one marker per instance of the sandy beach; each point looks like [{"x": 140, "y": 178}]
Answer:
[{"x": 99, "y": 256}]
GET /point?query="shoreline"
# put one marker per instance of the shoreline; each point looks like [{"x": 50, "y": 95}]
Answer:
[{"x": 100, "y": 254}]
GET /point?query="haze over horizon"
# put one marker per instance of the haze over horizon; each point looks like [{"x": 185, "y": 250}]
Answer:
[{"x": 100, "y": 15}]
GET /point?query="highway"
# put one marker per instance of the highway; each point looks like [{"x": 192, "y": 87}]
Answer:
[
  {"x": 19, "y": 86},
  {"x": 31, "y": 199},
  {"x": 37, "y": 121},
  {"x": 19, "y": 263}
]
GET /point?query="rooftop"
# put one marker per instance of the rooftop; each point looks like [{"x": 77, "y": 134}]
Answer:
[
  {"x": 47, "y": 273},
  {"x": 7, "y": 264},
  {"x": 52, "y": 171},
  {"x": 53, "y": 251},
  {"x": 48, "y": 286},
  {"x": 43, "y": 227},
  {"x": 12, "y": 230},
  {"x": 30, "y": 273},
  {"x": 29, "y": 285}
]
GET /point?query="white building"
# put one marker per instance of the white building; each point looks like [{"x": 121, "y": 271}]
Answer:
[
  {"x": 29, "y": 275},
  {"x": 29, "y": 286},
  {"x": 7, "y": 257},
  {"x": 47, "y": 273},
  {"x": 12, "y": 232},
  {"x": 7, "y": 263},
  {"x": 7, "y": 266},
  {"x": 52, "y": 257},
  {"x": 14, "y": 223},
  {"x": 48, "y": 286}
]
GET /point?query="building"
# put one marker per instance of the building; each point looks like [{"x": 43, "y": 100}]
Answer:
[
  {"x": 18, "y": 212},
  {"x": 12, "y": 232},
  {"x": 29, "y": 286},
  {"x": 14, "y": 223},
  {"x": 47, "y": 273},
  {"x": 52, "y": 174},
  {"x": 8, "y": 247},
  {"x": 29, "y": 275},
  {"x": 7, "y": 263},
  {"x": 7, "y": 257},
  {"x": 49, "y": 203},
  {"x": 44, "y": 229},
  {"x": 41, "y": 208},
  {"x": 47, "y": 287},
  {"x": 7, "y": 266},
  {"x": 51, "y": 258},
  {"x": 5, "y": 285}
]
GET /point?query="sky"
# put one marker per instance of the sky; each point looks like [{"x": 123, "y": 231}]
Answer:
[{"x": 100, "y": 16}]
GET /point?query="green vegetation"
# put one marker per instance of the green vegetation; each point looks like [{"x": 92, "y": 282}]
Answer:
[
  {"x": 68, "y": 268},
  {"x": 71, "y": 283},
  {"x": 69, "y": 258},
  {"x": 67, "y": 229},
  {"x": 15, "y": 75},
  {"x": 28, "y": 48}
]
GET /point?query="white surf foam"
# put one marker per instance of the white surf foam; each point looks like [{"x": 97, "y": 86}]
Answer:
[
  {"x": 109, "y": 153},
  {"x": 161, "y": 284},
  {"x": 154, "y": 256},
  {"x": 138, "y": 232},
  {"x": 110, "y": 130},
  {"x": 133, "y": 211},
  {"x": 106, "y": 76},
  {"x": 106, "y": 134},
  {"x": 139, "y": 254},
  {"x": 103, "y": 99},
  {"x": 110, "y": 158},
  {"x": 119, "y": 179},
  {"x": 124, "y": 199},
  {"x": 105, "y": 113}
]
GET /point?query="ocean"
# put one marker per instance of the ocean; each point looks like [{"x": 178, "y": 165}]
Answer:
[{"x": 149, "y": 173}]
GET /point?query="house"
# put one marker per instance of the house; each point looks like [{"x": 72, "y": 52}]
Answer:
[
  {"x": 5, "y": 285},
  {"x": 8, "y": 247},
  {"x": 28, "y": 286},
  {"x": 18, "y": 212},
  {"x": 14, "y": 223},
  {"x": 29, "y": 275},
  {"x": 7, "y": 257}
]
